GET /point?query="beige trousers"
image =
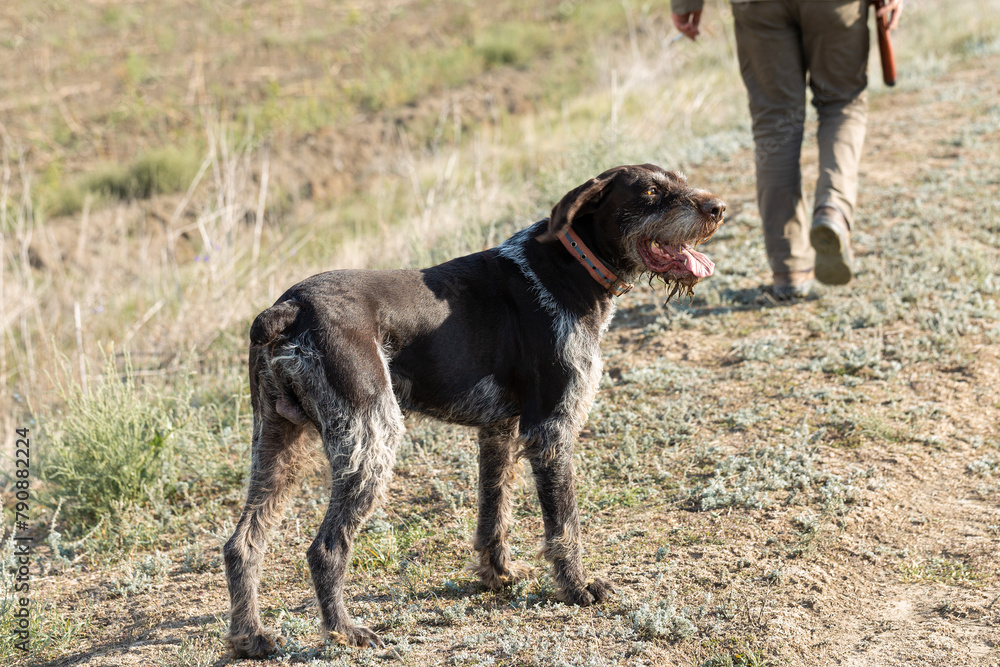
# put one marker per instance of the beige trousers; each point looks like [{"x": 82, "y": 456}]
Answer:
[{"x": 782, "y": 46}]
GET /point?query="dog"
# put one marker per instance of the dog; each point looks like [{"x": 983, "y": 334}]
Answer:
[{"x": 506, "y": 340}]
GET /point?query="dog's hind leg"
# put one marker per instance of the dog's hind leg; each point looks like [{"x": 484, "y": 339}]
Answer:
[
  {"x": 497, "y": 474},
  {"x": 277, "y": 450},
  {"x": 361, "y": 443}
]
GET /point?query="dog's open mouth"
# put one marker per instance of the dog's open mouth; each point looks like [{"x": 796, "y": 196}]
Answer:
[{"x": 681, "y": 263}]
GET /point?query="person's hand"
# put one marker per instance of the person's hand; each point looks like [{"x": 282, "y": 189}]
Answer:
[
  {"x": 688, "y": 23},
  {"x": 892, "y": 9}
]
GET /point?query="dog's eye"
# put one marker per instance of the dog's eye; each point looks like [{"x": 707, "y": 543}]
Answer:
[{"x": 651, "y": 192}]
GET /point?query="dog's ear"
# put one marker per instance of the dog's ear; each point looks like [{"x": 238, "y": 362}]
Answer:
[{"x": 587, "y": 195}]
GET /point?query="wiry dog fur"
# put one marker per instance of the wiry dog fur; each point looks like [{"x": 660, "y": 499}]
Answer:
[{"x": 506, "y": 340}]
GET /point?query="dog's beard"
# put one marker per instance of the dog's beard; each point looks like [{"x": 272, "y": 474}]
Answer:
[{"x": 683, "y": 286}]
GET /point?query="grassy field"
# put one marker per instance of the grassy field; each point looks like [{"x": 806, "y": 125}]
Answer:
[{"x": 766, "y": 484}]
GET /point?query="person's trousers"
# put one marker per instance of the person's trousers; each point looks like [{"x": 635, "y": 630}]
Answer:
[{"x": 783, "y": 45}]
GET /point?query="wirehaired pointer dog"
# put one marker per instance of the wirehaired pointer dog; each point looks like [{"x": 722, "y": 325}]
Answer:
[{"x": 506, "y": 340}]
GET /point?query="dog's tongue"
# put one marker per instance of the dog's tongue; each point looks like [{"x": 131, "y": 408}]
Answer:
[
  {"x": 696, "y": 262},
  {"x": 681, "y": 259}
]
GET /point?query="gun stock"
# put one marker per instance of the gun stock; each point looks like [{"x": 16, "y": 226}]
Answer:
[{"x": 885, "y": 46}]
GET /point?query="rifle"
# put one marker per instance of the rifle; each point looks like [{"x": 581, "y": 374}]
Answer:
[{"x": 885, "y": 46}]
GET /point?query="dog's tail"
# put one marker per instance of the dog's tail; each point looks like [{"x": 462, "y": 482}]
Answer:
[
  {"x": 266, "y": 333},
  {"x": 273, "y": 322}
]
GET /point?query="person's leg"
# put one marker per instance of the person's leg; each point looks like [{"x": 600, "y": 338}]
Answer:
[
  {"x": 835, "y": 38},
  {"x": 769, "y": 46},
  {"x": 835, "y": 42}
]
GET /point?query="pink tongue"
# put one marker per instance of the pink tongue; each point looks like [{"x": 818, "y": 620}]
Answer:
[{"x": 697, "y": 263}]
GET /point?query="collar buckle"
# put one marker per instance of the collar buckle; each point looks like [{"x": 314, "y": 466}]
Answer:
[{"x": 620, "y": 287}]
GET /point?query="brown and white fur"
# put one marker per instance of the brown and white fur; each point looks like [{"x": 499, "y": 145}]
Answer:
[{"x": 506, "y": 340}]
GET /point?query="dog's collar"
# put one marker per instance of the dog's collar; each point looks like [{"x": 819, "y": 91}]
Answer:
[{"x": 594, "y": 266}]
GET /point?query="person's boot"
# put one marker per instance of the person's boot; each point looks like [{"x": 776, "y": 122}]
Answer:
[
  {"x": 792, "y": 285},
  {"x": 831, "y": 239}
]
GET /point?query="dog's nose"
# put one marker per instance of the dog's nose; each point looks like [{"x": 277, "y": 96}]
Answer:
[{"x": 714, "y": 207}]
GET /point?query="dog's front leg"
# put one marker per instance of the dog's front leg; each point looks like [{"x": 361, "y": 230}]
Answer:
[
  {"x": 497, "y": 473},
  {"x": 552, "y": 465}
]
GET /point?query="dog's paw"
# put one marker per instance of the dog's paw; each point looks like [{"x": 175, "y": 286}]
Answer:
[
  {"x": 598, "y": 590},
  {"x": 519, "y": 571},
  {"x": 258, "y": 645},
  {"x": 495, "y": 579},
  {"x": 601, "y": 589},
  {"x": 358, "y": 636}
]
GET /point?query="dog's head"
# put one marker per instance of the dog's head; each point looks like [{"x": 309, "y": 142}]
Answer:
[{"x": 642, "y": 219}]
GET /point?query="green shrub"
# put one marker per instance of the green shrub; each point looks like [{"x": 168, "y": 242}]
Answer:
[
  {"x": 64, "y": 201},
  {"x": 109, "y": 446},
  {"x": 512, "y": 44},
  {"x": 159, "y": 171}
]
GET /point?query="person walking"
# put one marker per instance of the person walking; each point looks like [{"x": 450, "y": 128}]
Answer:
[{"x": 782, "y": 46}]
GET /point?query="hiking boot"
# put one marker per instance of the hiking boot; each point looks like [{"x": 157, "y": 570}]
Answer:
[
  {"x": 831, "y": 239},
  {"x": 792, "y": 285}
]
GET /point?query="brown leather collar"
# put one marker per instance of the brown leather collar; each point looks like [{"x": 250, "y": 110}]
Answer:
[{"x": 594, "y": 266}]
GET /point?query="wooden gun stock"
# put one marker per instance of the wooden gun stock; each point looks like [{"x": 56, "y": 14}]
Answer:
[{"x": 885, "y": 46}]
